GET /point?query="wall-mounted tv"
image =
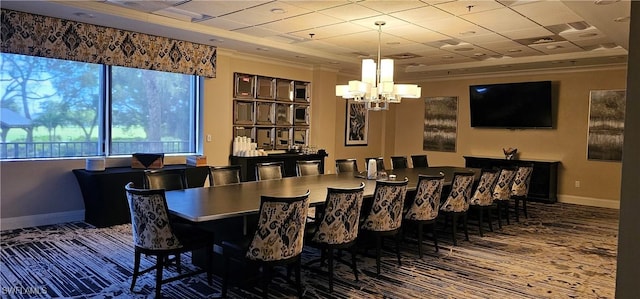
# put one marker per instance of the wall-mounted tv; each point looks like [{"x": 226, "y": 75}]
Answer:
[{"x": 512, "y": 105}]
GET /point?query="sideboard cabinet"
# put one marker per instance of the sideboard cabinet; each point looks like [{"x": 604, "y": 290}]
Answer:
[
  {"x": 544, "y": 179},
  {"x": 105, "y": 201}
]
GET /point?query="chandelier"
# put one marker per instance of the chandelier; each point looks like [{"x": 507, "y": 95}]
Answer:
[{"x": 376, "y": 89}]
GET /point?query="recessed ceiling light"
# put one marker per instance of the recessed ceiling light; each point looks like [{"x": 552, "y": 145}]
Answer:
[
  {"x": 553, "y": 47},
  {"x": 591, "y": 34},
  {"x": 470, "y": 32},
  {"x": 301, "y": 56},
  {"x": 514, "y": 50},
  {"x": 605, "y": 2},
  {"x": 479, "y": 54},
  {"x": 263, "y": 49},
  {"x": 463, "y": 49},
  {"x": 622, "y": 19},
  {"x": 447, "y": 57},
  {"x": 278, "y": 11}
]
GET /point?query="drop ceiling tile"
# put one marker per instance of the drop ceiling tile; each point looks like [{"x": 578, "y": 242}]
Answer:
[
  {"x": 216, "y": 8},
  {"x": 500, "y": 20},
  {"x": 548, "y": 13},
  {"x": 302, "y": 22},
  {"x": 351, "y": 12},
  {"x": 527, "y": 33},
  {"x": 391, "y": 6},
  {"x": 484, "y": 38},
  {"x": 390, "y": 22},
  {"x": 456, "y": 27},
  {"x": 329, "y": 31},
  {"x": 422, "y": 15},
  {"x": 225, "y": 24},
  {"x": 465, "y": 7},
  {"x": 414, "y": 33},
  {"x": 516, "y": 51},
  {"x": 578, "y": 35},
  {"x": 316, "y": 5},
  {"x": 258, "y": 31}
]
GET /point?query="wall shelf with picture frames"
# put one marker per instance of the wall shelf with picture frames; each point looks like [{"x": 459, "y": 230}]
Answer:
[{"x": 273, "y": 112}]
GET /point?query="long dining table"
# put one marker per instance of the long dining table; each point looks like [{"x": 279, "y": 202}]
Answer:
[{"x": 206, "y": 204}]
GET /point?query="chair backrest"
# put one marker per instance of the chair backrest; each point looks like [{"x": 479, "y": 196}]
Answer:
[
  {"x": 426, "y": 203},
  {"x": 346, "y": 165},
  {"x": 520, "y": 186},
  {"x": 460, "y": 195},
  {"x": 502, "y": 190},
  {"x": 399, "y": 162},
  {"x": 150, "y": 221},
  {"x": 224, "y": 175},
  {"x": 280, "y": 231},
  {"x": 419, "y": 161},
  {"x": 483, "y": 195},
  {"x": 341, "y": 217},
  {"x": 379, "y": 163},
  {"x": 304, "y": 168},
  {"x": 168, "y": 179},
  {"x": 388, "y": 203},
  {"x": 269, "y": 170}
]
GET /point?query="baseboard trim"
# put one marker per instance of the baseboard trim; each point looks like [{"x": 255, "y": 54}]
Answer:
[
  {"x": 41, "y": 219},
  {"x": 589, "y": 201}
]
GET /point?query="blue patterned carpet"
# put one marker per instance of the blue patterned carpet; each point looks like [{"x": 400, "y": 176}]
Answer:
[{"x": 561, "y": 251}]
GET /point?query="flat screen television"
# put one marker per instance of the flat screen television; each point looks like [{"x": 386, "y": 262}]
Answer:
[{"x": 511, "y": 105}]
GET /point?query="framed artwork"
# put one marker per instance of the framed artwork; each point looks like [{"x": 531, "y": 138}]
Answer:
[
  {"x": 606, "y": 124},
  {"x": 440, "y": 124},
  {"x": 357, "y": 124}
]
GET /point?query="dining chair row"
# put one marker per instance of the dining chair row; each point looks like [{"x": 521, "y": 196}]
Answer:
[{"x": 397, "y": 162}]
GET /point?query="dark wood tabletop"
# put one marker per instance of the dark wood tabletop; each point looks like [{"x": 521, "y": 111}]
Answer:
[{"x": 213, "y": 203}]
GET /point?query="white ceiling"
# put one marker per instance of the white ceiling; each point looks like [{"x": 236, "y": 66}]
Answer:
[{"x": 427, "y": 39}]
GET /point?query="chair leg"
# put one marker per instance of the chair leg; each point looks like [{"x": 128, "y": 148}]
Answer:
[
  {"x": 481, "y": 212},
  {"x": 298, "y": 276},
  {"x": 330, "y": 270},
  {"x": 517, "y": 210},
  {"x": 398, "y": 248},
  {"x": 490, "y": 220},
  {"x": 506, "y": 210},
  {"x": 136, "y": 269},
  {"x": 454, "y": 228},
  {"x": 210, "y": 264},
  {"x": 435, "y": 236},
  {"x": 225, "y": 276},
  {"x": 378, "y": 245},
  {"x": 159, "y": 264},
  {"x": 464, "y": 222},
  {"x": 266, "y": 277},
  {"x": 524, "y": 207},
  {"x": 354, "y": 266},
  {"x": 420, "y": 239},
  {"x": 499, "y": 208}
]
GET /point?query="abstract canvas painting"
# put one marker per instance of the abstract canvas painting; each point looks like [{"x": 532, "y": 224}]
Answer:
[{"x": 440, "y": 124}]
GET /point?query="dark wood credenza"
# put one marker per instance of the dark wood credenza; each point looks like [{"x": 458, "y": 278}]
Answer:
[
  {"x": 248, "y": 164},
  {"x": 105, "y": 201},
  {"x": 544, "y": 179}
]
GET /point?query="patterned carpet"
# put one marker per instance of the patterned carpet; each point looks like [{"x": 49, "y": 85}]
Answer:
[{"x": 561, "y": 251}]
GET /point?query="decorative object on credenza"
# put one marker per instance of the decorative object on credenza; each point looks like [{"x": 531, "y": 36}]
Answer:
[
  {"x": 95, "y": 164},
  {"x": 606, "y": 124},
  {"x": 147, "y": 161},
  {"x": 440, "y": 124},
  {"x": 510, "y": 153}
]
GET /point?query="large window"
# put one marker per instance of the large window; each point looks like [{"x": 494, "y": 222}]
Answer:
[{"x": 56, "y": 108}]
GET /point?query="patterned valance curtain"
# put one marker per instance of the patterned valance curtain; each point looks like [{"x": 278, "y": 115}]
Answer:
[{"x": 35, "y": 35}]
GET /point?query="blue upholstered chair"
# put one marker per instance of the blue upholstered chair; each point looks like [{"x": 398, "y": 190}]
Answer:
[
  {"x": 482, "y": 199},
  {"x": 457, "y": 203},
  {"x": 502, "y": 192},
  {"x": 155, "y": 234},
  {"x": 423, "y": 209},
  {"x": 338, "y": 228},
  {"x": 384, "y": 218},
  {"x": 277, "y": 241},
  {"x": 520, "y": 189}
]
